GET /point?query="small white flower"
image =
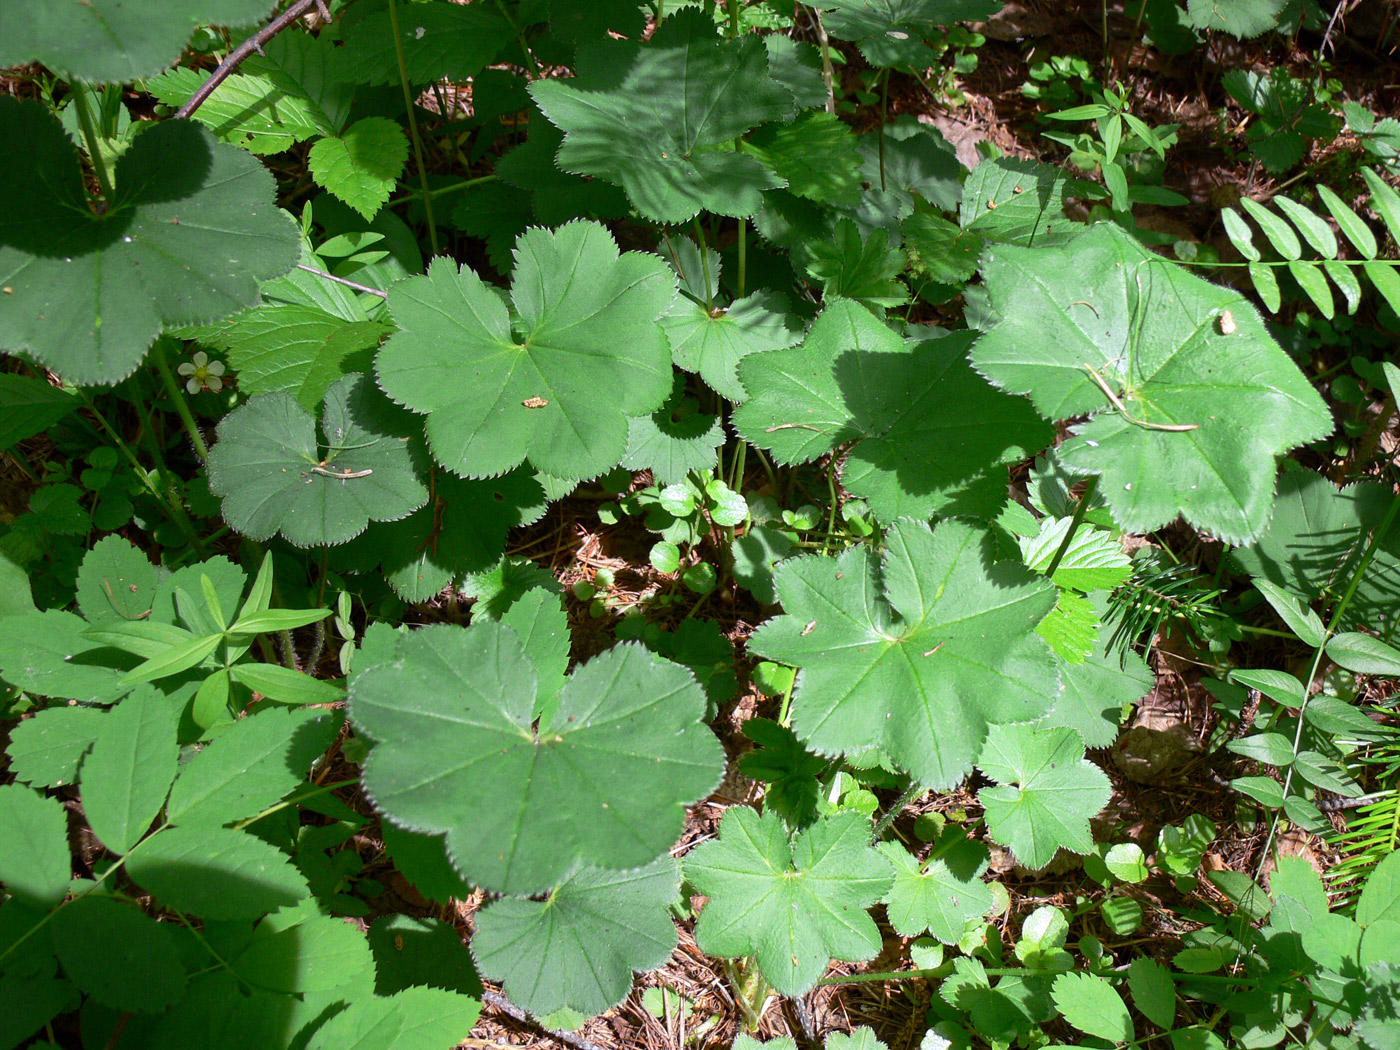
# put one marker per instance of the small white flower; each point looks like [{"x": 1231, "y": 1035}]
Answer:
[{"x": 202, "y": 374}]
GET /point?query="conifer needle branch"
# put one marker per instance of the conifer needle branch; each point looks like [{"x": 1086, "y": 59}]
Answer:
[{"x": 235, "y": 57}]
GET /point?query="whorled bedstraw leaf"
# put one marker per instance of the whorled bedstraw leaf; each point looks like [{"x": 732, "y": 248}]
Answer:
[
  {"x": 893, "y": 32},
  {"x": 189, "y": 232},
  {"x": 276, "y": 476},
  {"x": 556, "y": 382},
  {"x": 922, "y": 423},
  {"x": 793, "y": 905},
  {"x": 1189, "y": 411},
  {"x": 658, "y": 119},
  {"x": 916, "y": 654},
  {"x": 571, "y": 956},
  {"x": 109, "y": 41},
  {"x": 943, "y": 892},
  {"x": 1046, "y": 795},
  {"x": 601, "y": 780}
]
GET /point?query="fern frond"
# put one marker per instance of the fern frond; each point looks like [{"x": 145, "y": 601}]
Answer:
[{"x": 1372, "y": 832}]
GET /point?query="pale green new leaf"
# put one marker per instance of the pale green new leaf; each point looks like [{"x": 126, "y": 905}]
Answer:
[
  {"x": 1092, "y": 1005},
  {"x": 496, "y": 391},
  {"x": 276, "y": 476},
  {"x": 35, "y": 865},
  {"x": 1048, "y": 791},
  {"x": 941, "y": 894},
  {"x": 109, "y": 41},
  {"x": 923, "y": 425},
  {"x": 601, "y": 780},
  {"x": 363, "y": 165},
  {"x": 1206, "y": 404},
  {"x": 892, "y": 32},
  {"x": 191, "y": 230},
  {"x": 131, "y": 767},
  {"x": 574, "y": 952},
  {"x": 918, "y": 655},
  {"x": 648, "y": 117},
  {"x": 792, "y": 905},
  {"x": 217, "y": 873}
]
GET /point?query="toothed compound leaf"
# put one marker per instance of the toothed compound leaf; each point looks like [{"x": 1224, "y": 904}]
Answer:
[
  {"x": 217, "y": 873},
  {"x": 117, "y": 955},
  {"x": 439, "y": 40},
  {"x": 131, "y": 767},
  {"x": 275, "y": 475},
  {"x": 417, "y": 1018},
  {"x": 1094, "y": 691},
  {"x": 940, "y": 895},
  {"x": 917, "y": 655},
  {"x": 116, "y": 581},
  {"x": 892, "y": 32},
  {"x": 1047, "y": 792},
  {"x": 108, "y": 41},
  {"x": 575, "y": 951},
  {"x": 1207, "y": 402},
  {"x": 602, "y": 780},
  {"x": 190, "y": 231},
  {"x": 363, "y": 165},
  {"x": 555, "y": 383},
  {"x": 923, "y": 424},
  {"x": 36, "y": 868},
  {"x": 297, "y": 348},
  {"x": 792, "y": 905},
  {"x": 658, "y": 118}
]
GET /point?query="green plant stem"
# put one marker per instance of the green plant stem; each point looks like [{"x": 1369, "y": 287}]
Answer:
[
  {"x": 520, "y": 39},
  {"x": 735, "y": 7},
  {"x": 177, "y": 512},
  {"x": 888, "y": 975},
  {"x": 413, "y": 125},
  {"x": 1080, "y": 509},
  {"x": 913, "y": 791},
  {"x": 768, "y": 469},
  {"x": 704, "y": 264},
  {"x": 787, "y": 702},
  {"x": 322, "y": 789},
  {"x": 743, "y": 258},
  {"x": 465, "y": 184},
  {"x": 1372, "y": 545},
  {"x": 831, "y": 490},
  {"x": 177, "y": 397},
  {"x": 89, "y": 126}
]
